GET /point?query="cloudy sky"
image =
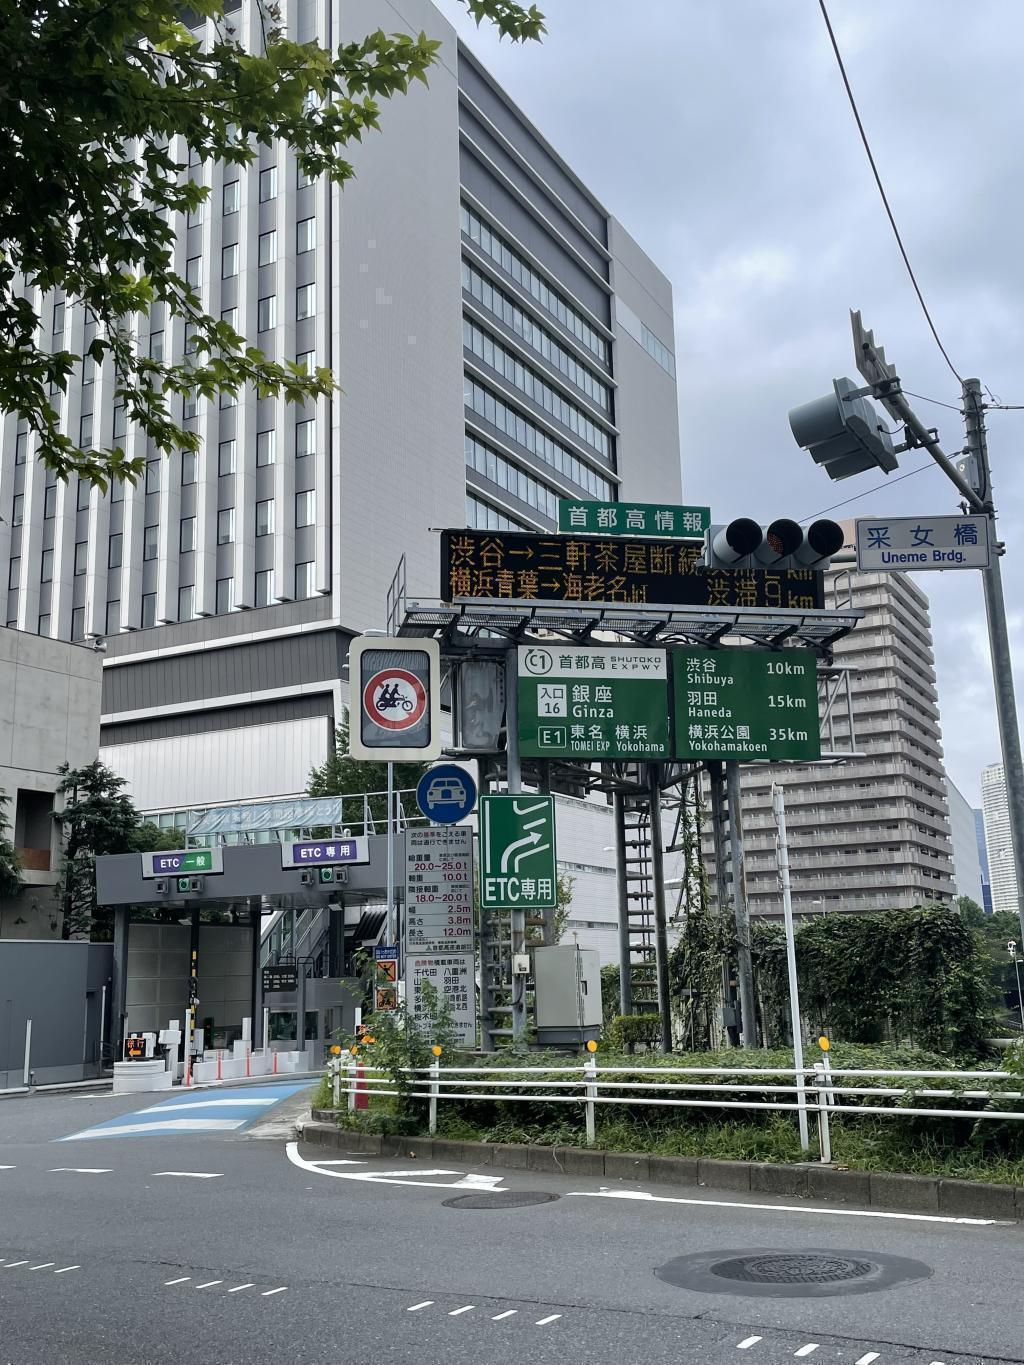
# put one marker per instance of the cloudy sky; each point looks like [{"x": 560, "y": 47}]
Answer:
[{"x": 719, "y": 132}]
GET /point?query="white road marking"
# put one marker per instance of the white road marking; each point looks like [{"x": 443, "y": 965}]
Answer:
[
  {"x": 464, "y": 1182},
  {"x": 508, "y": 1313},
  {"x": 193, "y": 1175},
  {"x": 208, "y": 1284},
  {"x": 788, "y": 1208},
  {"x": 867, "y": 1359},
  {"x": 8, "y": 1168},
  {"x": 340, "y": 1161},
  {"x": 11, "y": 1264},
  {"x": 239, "y": 1287},
  {"x": 268, "y": 1293},
  {"x": 66, "y": 1268},
  {"x": 81, "y": 1170},
  {"x": 417, "y": 1306},
  {"x": 543, "y": 1322},
  {"x": 160, "y": 1126},
  {"x": 207, "y": 1104},
  {"x": 181, "y": 1280},
  {"x": 45, "y": 1265},
  {"x": 467, "y": 1309},
  {"x": 807, "y": 1350},
  {"x": 747, "y": 1342}
]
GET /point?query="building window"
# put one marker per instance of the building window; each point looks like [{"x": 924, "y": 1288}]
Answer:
[
  {"x": 268, "y": 184},
  {"x": 85, "y": 430},
  {"x": 305, "y": 235},
  {"x": 191, "y": 338},
  {"x": 150, "y": 542},
  {"x": 267, "y": 248},
  {"x": 81, "y": 557},
  {"x": 266, "y": 313},
  {"x": 89, "y": 368},
  {"x": 20, "y": 447},
  {"x": 230, "y": 316},
  {"x": 78, "y": 623},
  {"x": 225, "y": 595},
  {"x": 266, "y": 447},
  {"x": 227, "y": 399},
  {"x": 226, "y": 526},
  {"x": 231, "y": 197},
  {"x": 189, "y": 467},
  {"x": 50, "y": 502},
  {"x": 18, "y": 509},
  {"x": 120, "y": 423},
  {"x": 46, "y": 567},
  {"x": 194, "y": 271},
  {"x": 187, "y": 535},
  {"x": 189, "y": 405},
  {"x": 113, "y": 617},
  {"x": 13, "y": 573},
  {"x": 117, "y": 490},
  {"x": 302, "y": 179},
  {"x": 156, "y": 345},
  {"x": 305, "y": 437},
  {"x": 303, "y": 580},
  {"x": 152, "y": 476},
  {"x": 148, "y": 610},
  {"x": 305, "y": 508},
  {"x": 44, "y": 623},
  {"x": 58, "y": 317},
  {"x": 114, "y": 550},
  {"x": 306, "y": 361},
  {"x": 264, "y": 587},
  {"x": 84, "y": 493},
  {"x": 195, "y": 216},
  {"x": 226, "y": 457},
  {"x": 229, "y": 261},
  {"x": 186, "y": 602},
  {"x": 305, "y": 301},
  {"x": 265, "y": 517}
]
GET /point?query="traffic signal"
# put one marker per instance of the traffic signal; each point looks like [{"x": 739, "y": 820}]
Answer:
[
  {"x": 844, "y": 435},
  {"x": 783, "y": 544}
]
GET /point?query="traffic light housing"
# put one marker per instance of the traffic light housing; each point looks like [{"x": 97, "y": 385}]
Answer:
[
  {"x": 844, "y": 435},
  {"x": 783, "y": 544}
]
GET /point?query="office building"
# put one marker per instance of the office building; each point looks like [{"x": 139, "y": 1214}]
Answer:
[
  {"x": 871, "y": 832},
  {"x": 986, "y": 886},
  {"x": 1002, "y": 874},
  {"x": 498, "y": 340},
  {"x": 967, "y": 878}
]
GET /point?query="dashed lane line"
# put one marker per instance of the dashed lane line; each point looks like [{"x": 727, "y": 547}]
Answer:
[
  {"x": 81, "y": 1170},
  {"x": 45, "y": 1265},
  {"x": 807, "y": 1350},
  {"x": 11, "y": 1264},
  {"x": 747, "y": 1342},
  {"x": 427, "y": 1303},
  {"x": 66, "y": 1268},
  {"x": 180, "y": 1280},
  {"x": 508, "y": 1313},
  {"x": 239, "y": 1287},
  {"x": 192, "y": 1175},
  {"x": 468, "y": 1308},
  {"x": 867, "y": 1359},
  {"x": 208, "y": 1284},
  {"x": 543, "y": 1322},
  {"x": 269, "y": 1293}
]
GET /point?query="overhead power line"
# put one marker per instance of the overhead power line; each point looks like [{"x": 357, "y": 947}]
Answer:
[
  {"x": 881, "y": 191},
  {"x": 868, "y": 491}
]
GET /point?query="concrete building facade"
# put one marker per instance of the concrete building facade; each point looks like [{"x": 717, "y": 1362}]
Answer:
[
  {"x": 967, "y": 874},
  {"x": 872, "y": 832},
  {"x": 1002, "y": 874}
]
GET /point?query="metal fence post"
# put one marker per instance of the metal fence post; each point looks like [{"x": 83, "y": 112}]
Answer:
[
  {"x": 824, "y": 1135},
  {"x": 435, "y": 1070},
  {"x": 28, "y": 1052},
  {"x": 590, "y": 1090},
  {"x": 351, "y": 1086}
]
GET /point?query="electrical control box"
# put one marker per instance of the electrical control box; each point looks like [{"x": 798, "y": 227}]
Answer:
[{"x": 567, "y": 993}]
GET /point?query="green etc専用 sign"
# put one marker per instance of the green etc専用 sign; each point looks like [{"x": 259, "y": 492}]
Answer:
[
  {"x": 633, "y": 519},
  {"x": 746, "y": 704},
  {"x": 593, "y": 703},
  {"x": 517, "y": 852}
]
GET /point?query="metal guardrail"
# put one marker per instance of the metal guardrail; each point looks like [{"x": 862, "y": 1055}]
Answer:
[{"x": 821, "y": 1090}]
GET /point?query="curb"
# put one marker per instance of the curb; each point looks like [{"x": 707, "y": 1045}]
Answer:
[{"x": 813, "y": 1182}]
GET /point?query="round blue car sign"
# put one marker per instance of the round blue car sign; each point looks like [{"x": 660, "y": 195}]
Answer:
[{"x": 446, "y": 794}]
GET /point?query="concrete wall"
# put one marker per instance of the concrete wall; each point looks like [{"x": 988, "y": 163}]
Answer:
[{"x": 59, "y": 986}]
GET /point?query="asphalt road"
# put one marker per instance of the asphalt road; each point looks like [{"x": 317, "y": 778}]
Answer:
[{"x": 236, "y": 1246}]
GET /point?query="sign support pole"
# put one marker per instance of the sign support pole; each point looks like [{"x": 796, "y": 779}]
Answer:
[
  {"x": 622, "y": 887},
  {"x": 660, "y": 921},
  {"x": 779, "y": 808},
  {"x": 741, "y": 914},
  {"x": 514, "y": 783},
  {"x": 391, "y": 855}
]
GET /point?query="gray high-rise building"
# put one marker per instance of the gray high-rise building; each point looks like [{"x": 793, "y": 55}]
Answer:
[
  {"x": 498, "y": 340},
  {"x": 998, "y": 840},
  {"x": 967, "y": 871},
  {"x": 872, "y": 832}
]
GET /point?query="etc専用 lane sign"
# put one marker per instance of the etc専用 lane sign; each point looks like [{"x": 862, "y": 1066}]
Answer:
[
  {"x": 182, "y": 862},
  {"x": 911, "y": 544},
  {"x": 326, "y": 852},
  {"x": 446, "y": 794},
  {"x": 518, "y": 869}
]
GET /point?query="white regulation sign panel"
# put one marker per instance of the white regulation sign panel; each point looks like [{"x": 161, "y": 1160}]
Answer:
[
  {"x": 910, "y": 544},
  {"x": 453, "y": 977}
]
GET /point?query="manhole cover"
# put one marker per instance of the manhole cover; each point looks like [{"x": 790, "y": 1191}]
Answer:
[
  {"x": 772, "y": 1272},
  {"x": 799, "y": 1269},
  {"x": 499, "y": 1199}
]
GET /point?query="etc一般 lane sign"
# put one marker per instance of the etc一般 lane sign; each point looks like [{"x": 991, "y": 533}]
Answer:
[
  {"x": 913, "y": 544},
  {"x": 182, "y": 862},
  {"x": 518, "y": 867}
]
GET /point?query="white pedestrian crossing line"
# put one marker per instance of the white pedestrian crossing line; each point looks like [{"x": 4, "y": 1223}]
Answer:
[
  {"x": 508, "y": 1313},
  {"x": 180, "y": 1280},
  {"x": 239, "y": 1287},
  {"x": 427, "y": 1303},
  {"x": 66, "y": 1268},
  {"x": 269, "y": 1293},
  {"x": 867, "y": 1358},
  {"x": 747, "y": 1342},
  {"x": 208, "y": 1284},
  {"x": 807, "y": 1350},
  {"x": 456, "y": 1311},
  {"x": 237, "y": 1102},
  {"x": 543, "y": 1322}
]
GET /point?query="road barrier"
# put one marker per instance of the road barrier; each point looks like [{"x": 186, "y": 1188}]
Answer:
[{"x": 819, "y": 1091}]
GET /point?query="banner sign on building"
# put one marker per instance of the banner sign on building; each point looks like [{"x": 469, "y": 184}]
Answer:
[
  {"x": 517, "y": 853},
  {"x": 522, "y": 566},
  {"x": 439, "y": 890},
  {"x": 746, "y": 704},
  {"x": 453, "y": 977},
  {"x": 593, "y": 703},
  {"x": 633, "y": 519},
  {"x": 910, "y": 544}
]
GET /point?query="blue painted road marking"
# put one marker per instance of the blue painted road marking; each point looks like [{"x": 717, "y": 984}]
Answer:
[{"x": 199, "y": 1111}]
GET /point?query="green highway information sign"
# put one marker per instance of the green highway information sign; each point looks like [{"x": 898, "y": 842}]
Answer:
[
  {"x": 593, "y": 703},
  {"x": 517, "y": 853},
  {"x": 633, "y": 519},
  {"x": 175, "y": 863},
  {"x": 746, "y": 704}
]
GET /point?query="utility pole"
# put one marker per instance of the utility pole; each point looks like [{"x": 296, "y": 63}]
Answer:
[
  {"x": 779, "y": 810},
  {"x": 741, "y": 914},
  {"x": 514, "y": 784}
]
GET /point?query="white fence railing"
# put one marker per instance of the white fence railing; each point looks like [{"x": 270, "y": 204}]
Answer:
[{"x": 821, "y": 1090}]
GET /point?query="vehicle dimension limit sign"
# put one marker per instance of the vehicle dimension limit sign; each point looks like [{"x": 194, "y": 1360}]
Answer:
[{"x": 517, "y": 852}]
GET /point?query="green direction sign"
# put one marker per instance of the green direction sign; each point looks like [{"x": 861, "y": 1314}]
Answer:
[
  {"x": 593, "y": 703},
  {"x": 517, "y": 853},
  {"x": 179, "y": 862},
  {"x": 746, "y": 704},
  {"x": 633, "y": 519}
]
